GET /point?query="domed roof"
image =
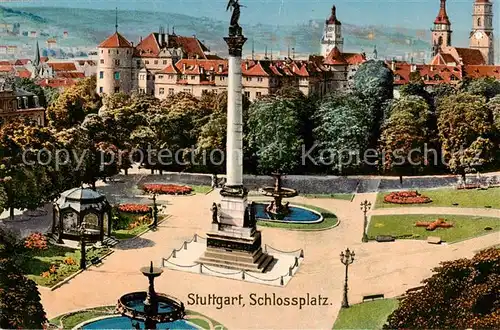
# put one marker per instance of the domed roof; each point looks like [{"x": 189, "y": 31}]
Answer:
[{"x": 80, "y": 199}]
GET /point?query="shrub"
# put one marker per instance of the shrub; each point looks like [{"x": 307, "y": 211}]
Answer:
[
  {"x": 69, "y": 261},
  {"x": 140, "y": 221},
  {"x": 406, "y": 197},
  {"x": 167, "y": 189},
  {"x": 134, "y": 208},
  {"x": 36, "y": 241}
]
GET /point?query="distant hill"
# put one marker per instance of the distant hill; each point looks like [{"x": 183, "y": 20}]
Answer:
[{"x": 87, "y": 27}]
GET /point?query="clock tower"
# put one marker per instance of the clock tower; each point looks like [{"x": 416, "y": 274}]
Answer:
[
  {"x": 441, "y": 32},
  {"x": 481, "y": 36},
  {"x": 332, "y": 36}
]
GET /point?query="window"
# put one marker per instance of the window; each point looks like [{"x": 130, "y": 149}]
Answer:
[
  {"x": 193, "y": 77},
  {"x": 117, "y": 62},
  {"x": 109, "y": 51},
  {"x": 101, "y": 90},
  {"x": 101, "y": 75},
  {"x": 142, "y": 77},
  {"x": 117, "y": 75},
  {"x": 258, "y": 94},
  {"x": 248, "y": 79},
  {"x": 162, "y": 91},
  {"x": 170, "y": 91},
  {"x": 160, "y": 76},
  {"x": 156, "y": 61},
  {"x": 102, "y": 51},
  {"x": 165, "y": 62},
  {"x": 247, "y": 94},
  {"x": 117, "y": 52},
  {"x": 138, "y": 63},
  {"x": 260, "y": 79},
  {"x": 146, "y": 62},
  {"x": 102, "y": 61},
  {"x": 117, "y": 89}
]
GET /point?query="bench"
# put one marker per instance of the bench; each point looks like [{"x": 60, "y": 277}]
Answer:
[
  {"x": 385, "y": 238},
  {"x": 373, "y": 297},
  {"x": 95, "y": 261},
  {"x": 434, "y": 240},
  {"x": 418, "y": 288}
]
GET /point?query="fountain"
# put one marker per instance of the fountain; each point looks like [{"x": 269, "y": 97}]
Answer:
[
  {"x": 149, "y": 307},
  {"x": 276, "y": 209}
]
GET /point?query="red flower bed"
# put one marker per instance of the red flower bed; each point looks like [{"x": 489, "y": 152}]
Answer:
[
  {"x": 406, "y": 197},
  {"x": 167, "y": 189},
  {"x": 134, "y": 208},
  {"x": 36, "y": 241}
]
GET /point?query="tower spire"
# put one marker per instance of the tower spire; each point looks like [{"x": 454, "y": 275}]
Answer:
[
  {"x": 442, "y": 17},
  {"x": 36, "y": 61},
  {"x": 253, "y": 49},
  {"x": 116, "y": 19}
]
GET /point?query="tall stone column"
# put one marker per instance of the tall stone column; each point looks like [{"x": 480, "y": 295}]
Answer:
[{"x": 234, "y": 150}]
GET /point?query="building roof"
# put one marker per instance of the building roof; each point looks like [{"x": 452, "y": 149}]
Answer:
[
  {"x": 57, "y": 83},
  {"x": 354, "y": 58},
  {"x": 191, "y": 46},
  {"x": 22, "y": 61},
  {"x": 335, "y": 57},
  {"x": 62, "y": 66},
  {"x": 115, "y": 41},
  {"x": 23, "y": 73},
  {"x": 470, "y": 56},
  {"x": 333, "y": 18},
  {"x": 442, "y": 17},
  {"x": 148, "y": 47},
  {"x": 70, "y": 75},
  {"x": 478, "y": 71}
]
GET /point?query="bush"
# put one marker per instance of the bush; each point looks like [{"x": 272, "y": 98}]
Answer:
[
  {"x": 406, "y": 197},
  {"x": 167, "y": 189},
  {"x": 36, "y": 241},
  {"x": 134, "y": 208}
]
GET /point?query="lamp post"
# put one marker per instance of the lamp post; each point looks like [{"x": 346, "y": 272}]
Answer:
[
  {"x": 365, "y": 207},
  {"x": 155, "y": 212},
  {"x": 346, "y": 258},
  {"x": 83, "y": 256}
]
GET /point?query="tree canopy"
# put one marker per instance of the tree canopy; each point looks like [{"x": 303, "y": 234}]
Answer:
[{"x": 461, "y": 294}]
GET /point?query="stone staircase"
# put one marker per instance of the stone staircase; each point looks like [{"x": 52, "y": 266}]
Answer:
[{"x": 257, "y": 262}]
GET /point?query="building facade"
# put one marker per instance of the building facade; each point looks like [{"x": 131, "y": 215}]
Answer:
[
  {"x": 481, "y": 36},
  {"x": 18, "y": 105},
  {"x": 332, "y": 35}
]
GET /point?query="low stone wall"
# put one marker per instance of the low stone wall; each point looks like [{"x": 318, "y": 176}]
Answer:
[{"x": 308, "y": 184}]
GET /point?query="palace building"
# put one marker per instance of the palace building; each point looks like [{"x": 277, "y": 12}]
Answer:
[{"x": 163, "y": 64}]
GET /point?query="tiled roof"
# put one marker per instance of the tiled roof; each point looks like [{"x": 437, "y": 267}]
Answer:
[
  {"x": 478, "y": 71},
  {"x": 191, "y": 46},
  {"x": 57, "y": 83},
  {"x": 354, "y": 58},
  {"x": 6, "y": 68},
  {"x": 442, "y": 17},
  {"x": 335, "y": 58},
  {"x": 23, "y": 73},
  {"x": 148, "y": 47},
  {"x": 170, "y": 69},
  {"x": 430, "y": 74},
  {"x": 62, "y": 66},
  {"x": 443, "y": 59},
  {"x": 470, "y": 56},
  {"x": 333, "y": 18},
  {"x": 115, "y": 41},
  {"x": 22, "y": 61},
  {"x": 4, "y": 63},
  {"x": 71, "y": 75}
]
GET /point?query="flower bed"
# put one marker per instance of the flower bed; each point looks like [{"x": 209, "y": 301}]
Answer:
[
  {"x": 406, "y": 197},
  {"x": 134, "y": 208},
  {"x": 167, "y": 189},
  {"x": 36, "y": 241},
  {"x": 430, "y": 226}
]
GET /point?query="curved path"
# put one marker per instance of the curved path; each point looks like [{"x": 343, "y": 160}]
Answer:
[{"x": 389, "y": 268}]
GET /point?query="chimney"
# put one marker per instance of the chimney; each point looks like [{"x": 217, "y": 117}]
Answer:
[
  {"x": 246, "y": 65},
  {"x": 221, "y": 67},
  {"x": 393, "y": 65},
  {"x": 183, "y": 67},
  {"x": 413, "y": 68}
]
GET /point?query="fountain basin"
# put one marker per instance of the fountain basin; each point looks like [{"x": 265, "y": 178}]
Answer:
[
  {"x": 131, "y": 305},
  {"x": 297, "y": 214},
  {"x": 281, "y": 192},
  {"x": 122, "y": 322}
]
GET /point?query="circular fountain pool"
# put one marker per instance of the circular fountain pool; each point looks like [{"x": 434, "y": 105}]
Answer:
[
  {"x": 122, "y": 322},
  {"x": 297, "y": 214}
]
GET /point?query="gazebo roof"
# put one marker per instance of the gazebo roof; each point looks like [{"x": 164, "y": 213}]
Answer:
[{"x": 82, "y": 199}]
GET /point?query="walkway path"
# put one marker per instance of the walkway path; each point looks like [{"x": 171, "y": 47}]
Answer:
[
  {"x": 389, "y": 268},
  {"x": 438, "y": 210}
]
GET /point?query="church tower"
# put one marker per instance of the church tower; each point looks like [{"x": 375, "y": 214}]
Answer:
[
  {"x": 481, "y": 36},
  {"x": 441, "y": 32},
  {"x": 332, "y": 36}
]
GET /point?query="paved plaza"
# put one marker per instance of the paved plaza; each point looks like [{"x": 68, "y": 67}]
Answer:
[{"x": 388, "y": 268}]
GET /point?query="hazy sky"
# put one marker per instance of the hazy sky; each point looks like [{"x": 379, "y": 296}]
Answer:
[{"x": 405, "y": 13}]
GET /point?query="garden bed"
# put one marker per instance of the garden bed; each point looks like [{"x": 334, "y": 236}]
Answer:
[
  {"x": 129, "y": 224},
  {"x": 50, "y": 265},
  {"x": 403, "y": 226},
  {"x": 167, "y": 189},
  {"x": 446, "y": 197},
  {"x": 406, "y": 197}
]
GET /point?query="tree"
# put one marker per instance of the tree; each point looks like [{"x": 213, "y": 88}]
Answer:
[
  {"x": 273, "y": 134},
  {"x": 488, "y": 87},
  {"x": 20, "y": 303},
  {"x": 374, "y": 82},
  {"x": 74, "y": 104},
  {"x": 440, "y": 91},
  {"x": 417, "y": 89},
  {"x": 342, "y": 132},
  {"x": 465, "y": 130},
  {"x": 461, "y": 294},
  {"x": 404, "y": 136},
  {"x": 494, "y": 107}
]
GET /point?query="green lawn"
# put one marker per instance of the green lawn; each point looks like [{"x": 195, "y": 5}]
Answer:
[
  {"x": 122, "y": 229},
  {"x": 201, "y": 189},
  {"x": 70, "y": 320},
  {"x": 129, "y": 233},
  {"x": 34, "y": 263},
  {"x": 368, "y": 315},
  {"x": 346, "y": 197},
  {"x": 447, "y": 197},
  {"x": 404, "y": 225},
  {"x": 329, "y": 220}
]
